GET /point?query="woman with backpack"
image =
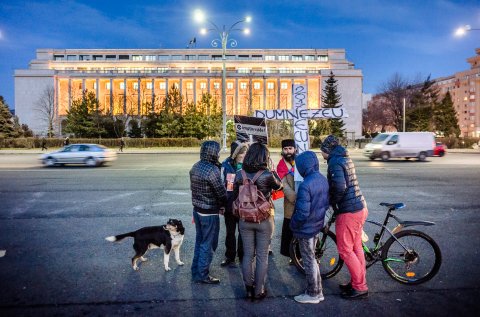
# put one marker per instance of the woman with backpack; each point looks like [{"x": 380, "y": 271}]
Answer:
[{"x": 256, "y": 236}]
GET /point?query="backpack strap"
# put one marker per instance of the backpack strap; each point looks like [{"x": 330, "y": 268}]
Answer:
[
  {"x": 259, "y": 173},
  {"x": 244, "y": 176}
]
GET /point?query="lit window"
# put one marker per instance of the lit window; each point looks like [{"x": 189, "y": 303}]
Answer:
[
  {"x": 216, "y": 85},
  {"x": 243, "y": 85},
  {"x": 269, "y": 57},
  {"x": 243, "y": 70},
  {"x": 149, "y": 86},
  {"x": 322, "y": 58},
  {"x": 95, "y": 85},
  {"x": 284, "y": 86},
  {"x": 283, "y": 57},
  {"x": 163, "y": 57},
  {"x": 107, "y": 86},
  {"x": 151, "y": 57},
  {"x": 189, "y": 85},
  {"x": 270, "y": 85},
  {"x": 256, "y": 86},
  {"x": 175, "y": 85},
  {"x": 284, "y": 70},
  {"x": 163, "y": 85},
  {"x": 229, "y": 85},
  {"x": 203, "y": 85},
  {"x": 309, "y": 57},
  {"x": 297, "y": 57},
  {"x": 122, "y": 85}
]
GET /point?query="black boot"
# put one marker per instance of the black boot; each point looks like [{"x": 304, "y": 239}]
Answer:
[{"x": 250, "y": 292}]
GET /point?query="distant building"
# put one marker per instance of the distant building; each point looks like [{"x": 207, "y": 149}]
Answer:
[
  {"x": 464, "y": 87},
  {"x": 136, "y": 81}
]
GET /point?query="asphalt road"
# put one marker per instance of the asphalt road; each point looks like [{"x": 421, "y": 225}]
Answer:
[{"x": 53, "y": 222}]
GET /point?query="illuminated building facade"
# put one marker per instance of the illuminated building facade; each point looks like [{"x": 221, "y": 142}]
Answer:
[{"x": 135, "y": 81}]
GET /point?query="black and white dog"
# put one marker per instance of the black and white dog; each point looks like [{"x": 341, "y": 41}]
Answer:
[{"x": 169, "y": 236}]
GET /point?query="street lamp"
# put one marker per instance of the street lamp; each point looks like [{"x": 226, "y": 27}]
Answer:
[
  {"x": 461, "y": 31},
  {"x": 224, "y": 41}
]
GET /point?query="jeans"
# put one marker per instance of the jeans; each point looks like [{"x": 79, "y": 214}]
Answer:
[
  {"x": 206, "y": 242},
  {"x": 232, "y": 248},
  {"x": 256, "y": 239},
  {"x": 348, "y": 228},
  {"x": 312, "y": 271}
]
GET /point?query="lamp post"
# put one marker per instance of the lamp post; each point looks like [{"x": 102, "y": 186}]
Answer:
[
  {"x": 224, "y": 41},
  {"x": 461, "y": 31}
]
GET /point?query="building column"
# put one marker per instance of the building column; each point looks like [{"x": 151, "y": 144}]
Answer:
[
  {"x": 320, "y": 92},
  {"x": 278, "y": 93},
  {"x": 166, "y": 87},
  {"x": 208, "y": 85},
  {"x": 195, "y": 92},
  {"x": 69, "y": 93},
  {"x": 291, "y": 89},
  {"x": 250, "y": 95},
  {"x": 83, "y": 87},
  {"x": 237, "y": 107},
  {"x": 124, "y": 95},
  {"x": 264, "y": 93},
  {"x": 306, "y": 85},
  {"x": 138, "y": 96},
  {"x": 180, "y": 88},
  {"x": 153, "y": 95},
  {"x": 111, "y": 94}
]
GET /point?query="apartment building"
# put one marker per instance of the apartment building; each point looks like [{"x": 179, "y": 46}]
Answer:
[
  {"x": 464, "y": 87},
  {"x": 135, "y": 81}
]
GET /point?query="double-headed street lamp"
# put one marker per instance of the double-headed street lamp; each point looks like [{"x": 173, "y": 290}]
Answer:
[
  {"x": 461, "y": 31},
  {"x": 224, "y": 41}
]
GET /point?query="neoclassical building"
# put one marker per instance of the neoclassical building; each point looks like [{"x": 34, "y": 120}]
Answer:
[{"x": 135, "y": 81}]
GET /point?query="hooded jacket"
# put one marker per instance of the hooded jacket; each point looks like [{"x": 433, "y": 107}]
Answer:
[
  {"x": 208, "y": 192},
  {"x": 345, "y": 194},
  {"x": 312, "y": 198}
]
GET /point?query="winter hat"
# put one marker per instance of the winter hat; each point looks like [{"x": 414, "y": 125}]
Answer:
[
  {"x": 243, "y": 147},
  {"x": 329, "y": 143},
  {"x": 288, "y": 142},
  {"x": 233, "y": 147}
]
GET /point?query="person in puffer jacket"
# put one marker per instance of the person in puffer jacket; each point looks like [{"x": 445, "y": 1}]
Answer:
[
  {"x": 351, "y": 212},
  {"x": 308, "y": 220},
  {"x": 208, "y": 197}
]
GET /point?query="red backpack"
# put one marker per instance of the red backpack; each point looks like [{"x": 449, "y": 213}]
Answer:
[{"x": 251, "y": 205}]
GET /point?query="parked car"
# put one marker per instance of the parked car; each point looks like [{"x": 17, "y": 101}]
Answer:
[
  {"x": 88, "y": 154},
  {"x": 439, "y": 149}
]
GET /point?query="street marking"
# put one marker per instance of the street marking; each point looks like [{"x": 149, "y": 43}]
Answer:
[{"x": 176, "y": 192}]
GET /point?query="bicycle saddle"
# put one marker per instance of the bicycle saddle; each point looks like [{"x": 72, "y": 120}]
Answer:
[{"x": 393, "y": 206}]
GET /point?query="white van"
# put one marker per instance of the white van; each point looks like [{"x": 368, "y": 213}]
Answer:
[{"x": 401, "y": 144}]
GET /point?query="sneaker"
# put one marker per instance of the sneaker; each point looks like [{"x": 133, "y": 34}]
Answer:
[{"x": 307, "y": 299}]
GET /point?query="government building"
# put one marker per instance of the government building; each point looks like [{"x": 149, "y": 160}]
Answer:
[{"x": 135, "y": 81}]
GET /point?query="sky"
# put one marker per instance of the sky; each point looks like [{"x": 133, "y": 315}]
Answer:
[{"x": 381, "y": 37}]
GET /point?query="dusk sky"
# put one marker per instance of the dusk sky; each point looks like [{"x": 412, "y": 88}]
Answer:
[{"x": 410, "y": 37}]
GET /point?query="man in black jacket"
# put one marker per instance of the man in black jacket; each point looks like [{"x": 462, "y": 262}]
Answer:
[
  {"x": 351, "y": 211},
  {"x": 208, "y": 197}
]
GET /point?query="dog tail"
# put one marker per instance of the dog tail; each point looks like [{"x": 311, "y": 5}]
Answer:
[{"x": 119, "y": 237}]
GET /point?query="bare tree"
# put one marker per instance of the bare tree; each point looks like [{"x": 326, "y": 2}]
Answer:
[
  {"x": 393, "y": 91},
  {"x": 45, "y": 107},
  {"x": 377, "y": 117}
]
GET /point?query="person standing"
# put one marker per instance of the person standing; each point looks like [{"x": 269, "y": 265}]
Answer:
[
  {"x": 285, "y": 170},
  {"x": 257, "y": 237},
  {"x": 208, "y": 198},
  {"x": 308, "y": 220},
  {"x": 230, "y": 166},
  {"x": 44, "y": 144},
  {"x": 122, "y": 144},
  {"x": 350, "y": 211}
]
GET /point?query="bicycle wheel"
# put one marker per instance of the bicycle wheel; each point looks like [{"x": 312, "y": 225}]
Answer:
[
  {"x": 326, "y": 254},
  {"x": 416, "y": 265}
]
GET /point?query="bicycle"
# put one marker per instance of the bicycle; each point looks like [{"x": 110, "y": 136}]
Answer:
[{"x": 408, "y": 256}]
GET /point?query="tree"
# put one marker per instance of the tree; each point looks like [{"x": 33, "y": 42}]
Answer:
[
  {"x": 393, "y": 92},
  {"x": 169, "y": 119},
  {"x": 7, "y": 128},
  {"x": 211, "y": 115},
  {"x": 420, "y": 115},
  {"x": 377, "y": 117},
  {"x": 331, "y": 99},
  {"x": 45, "y": 108},
  {"x": 84, "y": 117},
  {"x": 445, "y": 117},
  {"x": 135, "y": 129}
]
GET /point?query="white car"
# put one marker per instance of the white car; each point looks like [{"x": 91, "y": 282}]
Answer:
[{"x": 88, "y": 154}]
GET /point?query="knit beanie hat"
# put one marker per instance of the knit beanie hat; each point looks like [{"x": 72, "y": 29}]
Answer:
[
  {"x": 329, "y": 143},
  {"x": 288, "y": 142}
]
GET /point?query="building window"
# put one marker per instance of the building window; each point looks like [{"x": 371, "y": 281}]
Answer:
[
  {"x": 151, "y": 57},
  {"x": 122, "y": 86},
  {"x": 283, "y": 57},
  {"x": 298, "y": 70},
  {"x": 189, "y": 85},
  {"x": 149, "y": 86},
  {"x": 124, "y": 57},
  {"x": 107, "y": 86},
  {"x": 309, "y": 58},
  {"x": 229, "y": 85},
  {"x": 283, "y": 86},
  {"x": 256, "y": 86},
  {"x": 175, "y": 85},
  {"x": 243, "y": 70},
  {"x": 322, "y": 58},
  {"x": 85, "y": 57},
  {"x": 137, "y": 57},
  {"x": 190, "y": 57},
  {"x": 163, "y": 85},
  {"x": 110, "y": 57},
  {"x": 58, "y": 57},
  {"x": 95, "y": 85},
  {"x": 216, "y": 57},
  {"x": 284, "y": 70},
  {"x": 177, "y": 57},
  {"x": 243, "y": 85},
  {"x": 98, "y": 57},
  {"x": 243, "y": 57},
  {"x": 216, "y": 85},
  {"x": 203, "y": 57},
  {"x": 269, "y": 57},
  {"x": 257, "y": 57},
  {"x": 231, "y": 57},
  {"x": 71, "y": 57},
  {"x": 203, "y": 85},
  {"x": 297, "y": 57},
  {"x": 270, "y": 86},
  {"x": 163, "y": 57}
]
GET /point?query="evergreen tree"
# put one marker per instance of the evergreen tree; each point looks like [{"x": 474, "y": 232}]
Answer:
[
  {"x": 7, "y": 129},
  {"x": 170, "y": 117},
  {"x": 420, "y": 115},
  {"x": 83, "y": 118},
  {"x": 135, "y": 129},
  {"x": 211, "y": 115},
  {"x": 445, "y": 117},
  {"x": 331, "y": 99},
  {"x": 192, "y": 122}
]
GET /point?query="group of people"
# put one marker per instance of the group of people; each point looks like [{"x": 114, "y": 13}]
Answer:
[{"x": 215, "y": 187}]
